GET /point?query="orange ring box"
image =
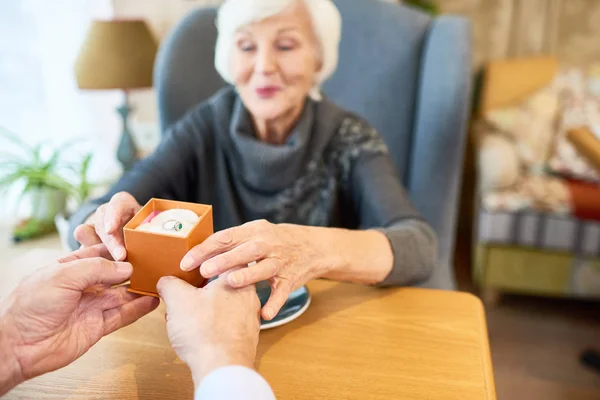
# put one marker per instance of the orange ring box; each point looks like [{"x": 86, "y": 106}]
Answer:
[{"x": 154, "y": 255}]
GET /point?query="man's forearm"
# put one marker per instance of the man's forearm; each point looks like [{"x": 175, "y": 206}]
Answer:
[{"x": 10, "y": 369}]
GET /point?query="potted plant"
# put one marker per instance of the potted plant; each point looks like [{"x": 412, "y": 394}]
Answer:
[
  {"x": 45, "y": 180},
  {"x": 428, "y": 6}
]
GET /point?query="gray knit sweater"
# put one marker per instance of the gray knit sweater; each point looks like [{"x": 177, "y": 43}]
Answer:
[{"x": 333, "y": 171}]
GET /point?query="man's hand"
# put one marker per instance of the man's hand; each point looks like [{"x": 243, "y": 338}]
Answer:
[
  {"x": 211, "y": 327},
  {"x": 56, "y": 314}
]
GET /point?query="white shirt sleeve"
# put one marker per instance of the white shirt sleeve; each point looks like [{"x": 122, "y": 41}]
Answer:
[{"x": 234, "y": 383}]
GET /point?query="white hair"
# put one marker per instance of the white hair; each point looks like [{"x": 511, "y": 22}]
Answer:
[{"x": 326, "y": 21}]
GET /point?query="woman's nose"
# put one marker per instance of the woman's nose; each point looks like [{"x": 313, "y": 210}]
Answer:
[{"x": 266, "y": 63}]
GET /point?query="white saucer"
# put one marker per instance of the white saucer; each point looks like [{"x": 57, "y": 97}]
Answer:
[{"x": 295, "y": 306}]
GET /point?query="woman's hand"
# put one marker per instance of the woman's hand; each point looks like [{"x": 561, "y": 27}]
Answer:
[
  {"x": 287, "y": 256},
  {"x": 106, "y": 225}
]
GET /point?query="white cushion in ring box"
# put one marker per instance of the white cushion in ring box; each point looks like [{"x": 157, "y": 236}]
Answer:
[{"x": 187, "y": 218}]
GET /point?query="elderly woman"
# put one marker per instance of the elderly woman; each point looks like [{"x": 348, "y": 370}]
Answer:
[{"x": 300, "y": 186}]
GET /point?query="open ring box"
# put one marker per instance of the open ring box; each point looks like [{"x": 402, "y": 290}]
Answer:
[{"x": 154, "y": 255}]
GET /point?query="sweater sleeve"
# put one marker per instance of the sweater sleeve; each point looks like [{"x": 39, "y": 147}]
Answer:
[
  {"x": 382, "y": 203},
  {"x": 169, "y": 172}
]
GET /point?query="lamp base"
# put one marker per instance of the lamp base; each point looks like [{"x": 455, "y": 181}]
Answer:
[{"x": 127, "y": 152}]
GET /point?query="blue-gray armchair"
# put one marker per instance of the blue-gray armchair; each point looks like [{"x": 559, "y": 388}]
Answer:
[{"x": 407, "y": 73}]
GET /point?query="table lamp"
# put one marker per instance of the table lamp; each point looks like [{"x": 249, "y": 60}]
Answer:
[{"x": 118, "y": 54}]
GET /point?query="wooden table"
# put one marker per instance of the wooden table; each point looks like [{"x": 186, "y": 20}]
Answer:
[{"x": 353, "y": 342}]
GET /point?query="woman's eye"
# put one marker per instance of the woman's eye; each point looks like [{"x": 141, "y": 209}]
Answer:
[
  {"x": 246, "y": 47},
  {"x": 286, "y": 46}
]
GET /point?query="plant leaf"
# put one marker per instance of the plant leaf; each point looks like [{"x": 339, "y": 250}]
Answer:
[
  {"x": 15, "y": 139},
  {"x": 51, "y": 164},
  {"x": 10, "y": 157},
  {"x": 35, "y": 155},
  {"x": 9, "y": 180},
  {"x": 37, "y": 171},
  {"x": 54, "y": 161}
]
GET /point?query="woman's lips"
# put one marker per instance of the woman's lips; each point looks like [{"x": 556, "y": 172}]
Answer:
[{"x": 267, "y": 92}]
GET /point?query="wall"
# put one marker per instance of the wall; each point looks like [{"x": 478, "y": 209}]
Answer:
[
  {"x": 510, "y": 28},
  {"x": 161, "y": 14}
]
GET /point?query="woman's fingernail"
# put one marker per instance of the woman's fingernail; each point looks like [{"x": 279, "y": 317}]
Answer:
[
  {"x": 186, "y": 264},
  {"x": 269, "y": 314},
  {"x": 236, "y": 278},
  {"x": 108, "y": 227},
  {"x": 208, "y": 269}
]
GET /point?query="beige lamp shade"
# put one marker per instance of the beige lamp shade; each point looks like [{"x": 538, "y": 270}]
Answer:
[{"x": 116, "y": 54}]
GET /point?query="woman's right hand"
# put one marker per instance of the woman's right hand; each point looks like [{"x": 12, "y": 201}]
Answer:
[{"x": 106, "y": 225}]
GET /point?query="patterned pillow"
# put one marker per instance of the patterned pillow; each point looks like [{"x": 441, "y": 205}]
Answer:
[
  {"x": 531, "y": 125},
  {"x": 539, "y": 193},
  {"x": 579, "y": 107}
]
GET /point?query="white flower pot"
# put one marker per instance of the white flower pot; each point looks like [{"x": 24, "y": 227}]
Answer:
[{"x": 46, "y": 203}]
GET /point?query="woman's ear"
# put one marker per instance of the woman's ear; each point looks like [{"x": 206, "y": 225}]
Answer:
[
  {"x": 318, "y": 58},
  {"x": 319, "y": 66}
]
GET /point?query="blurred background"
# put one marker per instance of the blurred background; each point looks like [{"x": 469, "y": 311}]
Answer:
[{"x": 528, "y": 238}]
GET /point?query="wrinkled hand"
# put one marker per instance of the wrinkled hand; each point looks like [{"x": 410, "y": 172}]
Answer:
[
  {"x": 287, "y": 256},
  {"x": 56, "y": 314},
  {"x": 106, "y": 225},
  {"x": 211, "y": 327}
]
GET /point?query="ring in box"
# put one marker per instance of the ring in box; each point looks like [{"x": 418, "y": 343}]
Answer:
[{"x": 154, "y": 255}]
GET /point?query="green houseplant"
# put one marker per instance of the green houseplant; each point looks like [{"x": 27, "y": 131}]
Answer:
[
  {"x": 428, "y": 6},
  {"x": 45, "y": 180}
]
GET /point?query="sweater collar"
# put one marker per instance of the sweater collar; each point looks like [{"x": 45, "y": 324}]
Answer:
[{"x": 264, "y": 166}]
